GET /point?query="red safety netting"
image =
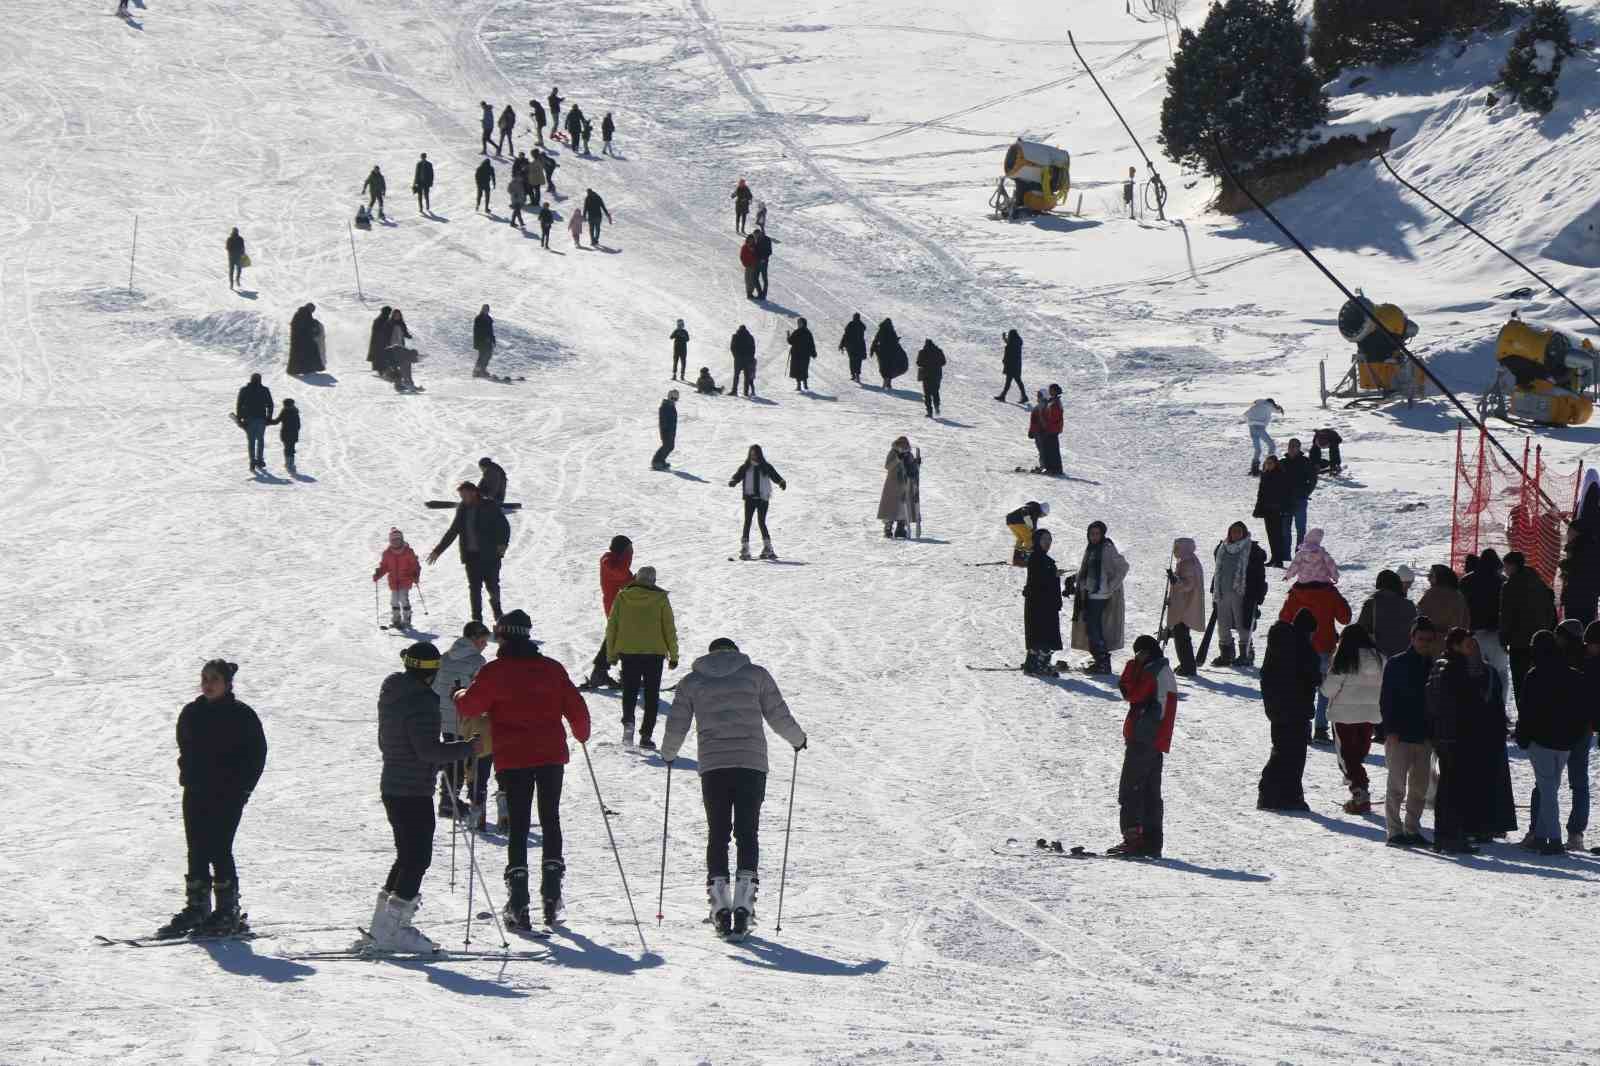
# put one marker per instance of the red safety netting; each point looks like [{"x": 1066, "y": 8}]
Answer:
[{"x": 1496, "y": 507}]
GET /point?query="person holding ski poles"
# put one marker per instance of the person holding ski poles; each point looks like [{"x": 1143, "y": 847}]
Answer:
[{"x": 729, "y": 697}]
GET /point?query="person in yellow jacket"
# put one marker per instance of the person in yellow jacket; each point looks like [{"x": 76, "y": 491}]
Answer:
[{"x": 640, "y": 632}]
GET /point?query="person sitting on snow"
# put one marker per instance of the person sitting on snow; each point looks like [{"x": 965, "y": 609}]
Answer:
[{"x": 704, "y": 384}]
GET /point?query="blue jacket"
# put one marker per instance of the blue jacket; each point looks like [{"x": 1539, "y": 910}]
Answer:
[{"x": 1403, "y": 701}]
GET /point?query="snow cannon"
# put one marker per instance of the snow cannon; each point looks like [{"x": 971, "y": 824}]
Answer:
[
  {"x": 1379, "y": 361},
  {"x": 1551, "y": 375},
  {"x": 1041, "y": 178}
]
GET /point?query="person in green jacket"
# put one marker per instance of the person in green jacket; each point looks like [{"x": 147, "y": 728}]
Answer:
[{"x": 640, "y": 632}]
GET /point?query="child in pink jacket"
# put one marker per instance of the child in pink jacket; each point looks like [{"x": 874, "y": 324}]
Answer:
[{"x": 400, "y": 563}]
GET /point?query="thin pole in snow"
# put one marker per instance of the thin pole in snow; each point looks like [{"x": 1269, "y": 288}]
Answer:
[
  {"x": 355, "y": 261},
  {"x": 131, "y": 252}
]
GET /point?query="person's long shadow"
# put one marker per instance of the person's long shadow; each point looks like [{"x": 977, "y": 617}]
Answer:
[
  {"x": 904, "y": 394},
  {"x": 808, "y": 394},
  {"x": 1227, "y": 688},
  {"x": 762, "y": 400},
  {"x": 585, "y": 954},
  {"x": 320, "y": 378},
  {"x": 265, "y": 478},
  {"x": 248, "y": 294},
  {"x": 1083, "y": 688},
  {"x": 436, "y": 218},
  {"x": 689, "y": 477},
  {"x": 776, "y": 308},
  {"x": 1365, "y": 830},
  {"x": 770, "y": 956},
  {"x": 305, "y": 478},
  {"x": 236, "y": 957},
  {"x": 132, "y": 22},
  {"x": 953, "y": 423},
  {"x": 1489, "y": 861},
  {"x": 455, "y": 981},
  {"x": 1219, "y": 872}
]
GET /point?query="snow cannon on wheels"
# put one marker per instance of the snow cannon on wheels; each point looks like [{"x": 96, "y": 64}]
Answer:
[
  {"x": 1552, "y": 382},
  {"x": 1040, "y": 176},
  {"x": 1379, "y": 370}
]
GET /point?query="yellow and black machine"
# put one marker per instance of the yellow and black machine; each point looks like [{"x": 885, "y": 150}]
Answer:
[
  {"x": 1379, "y": 370},
  {"x": 1040, "y": 176},
  {"x": 1552, "y": 382}
]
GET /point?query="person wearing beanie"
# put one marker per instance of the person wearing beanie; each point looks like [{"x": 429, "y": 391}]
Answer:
[
  {"x": 1151, "y": 690},
  {"x": 529, "y": 703},
  {"x": 1407, "y": 578},
  {"x": 457, "y": 668},
  {"x": 1443, "y": 602},
  {"x": 667, "y": 425},
  {"x": 1273, "y": 506},
  {"x": 1315, "y": 591},
  {"x": 1098, "y": 611},
  {"x": 1553, "y": 720},
  {"x": 642, "y": 635},
  {"x": 1571, "y": 648},
  {"x": 680, "y": 352},
  {"x": 289, "y": 435},
  {"x": 1022, "y": 522},
  {"x": 1238, "y": 586},
  {"x": 730, "y": 701},
  {"x": 615, "y": 573},
  {"x": 1186, "y": 602},
  {"x": 1407, "y": 752},
  {"x": 409, "y": 726},
  {"x": 1482, "y": 587},
  {"x": 400, "y": 563},
  {"x": 483, "y": 533},
  {"x": 221, "y": 754},
  {"x": 1290, "y": 672},
  {"x": 491, "y": 480},
  {"x": 1387, "y": 615},
  {"x": 1526, "y": 606},
  {"x": 252, "y": 410}
]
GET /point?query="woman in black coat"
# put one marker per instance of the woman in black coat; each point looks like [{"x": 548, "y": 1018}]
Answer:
[
  {"x": 1290, "y": 672},
  {"x": 1461, "y": 691},
  {"x": 892, "y": 359},
  {"x": 802, "y": 349},
  {"x": 1041, "y": 607},
  {"x": 221, "y": 753},
  {"x": 379, "y": 339},
  {"x": 930, "y": 371},
  {"x": 1274, "y": 506},
  {"x": 854, "y": 345}
]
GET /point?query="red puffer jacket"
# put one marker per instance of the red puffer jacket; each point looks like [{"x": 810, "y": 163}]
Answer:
[
  {"x": 1325, "y": 605},
  {"x": 1144, "y": 684},
  {"x": 401, "y": 565},
  {"x": 614, "y": 574},
  {"x": 525, "y": 698},
  {"x": 1052, "y": 420}
]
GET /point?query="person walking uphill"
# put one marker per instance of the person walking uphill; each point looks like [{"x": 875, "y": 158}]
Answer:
[
  {"x": 484, "y": 178},
  {"x": 680, "y": 352},
  {"x": 408, "y": 737},
  {"x": 755, "y": 477},
  {"x": 930, "y": 371},
  {"x": 1099, "y": 608},
  {"x": 743, "y": 348},
  {"x": 234, "y": 246},
  {"x": 1041, "y": 608},
  {"x": 853, "y": 343},
  {"x": 508, "y": 125},
  {"x": 667, "y": 424},
  {"x": 252, "y": 409},
  {"x": 288, "y": 421},
  {"x": 488, "y": 125},
  {"x": 741, "y": 205},
  {"x": 1151, "y": 690},
  {"x": 1290, "y": 671},
  {"x": 1011, "y": 365},
  {"x": 729, "y": 700},
  {"x": 900, "y": 502},
  {"x": 593, "y": 208},
  {"x": 1186, "y": 606},
  {"x": 891, "y": 355},
  {"x": 375, "y": 186},
  {"x": 482, "y": 341},
  {"x": 614, "y": 576},
  {"x": 422, "y": 184},
  {"x": 554, "y": 100},
  {"x": 483, "y": 533},
  {"x": 1302, "y": 475},
  {"x": 526, "y": 697},
  {"x": 802, "y": 349},
  {"x": 1353, "y": 688},
  {"x": 763, "y": 250},
  {"x": 608, "y": 129},
  {"x": 221, "y": 754},
  {"x": 747, "y": 263},
  {"x": 400, "y": 563},
  {"x": 642, "y": 636}
]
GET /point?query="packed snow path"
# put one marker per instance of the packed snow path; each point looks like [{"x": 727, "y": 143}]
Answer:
[{"x": 140, "y": 547}]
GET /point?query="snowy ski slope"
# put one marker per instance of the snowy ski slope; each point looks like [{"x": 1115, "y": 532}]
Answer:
[{"x": 139, "y": 547}]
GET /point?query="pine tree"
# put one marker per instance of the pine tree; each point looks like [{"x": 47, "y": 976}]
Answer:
[
  {"x": 1358, "y": 32},
  {"x": 1244, "y": 79},
  {"x": 1533, "y": 66}
]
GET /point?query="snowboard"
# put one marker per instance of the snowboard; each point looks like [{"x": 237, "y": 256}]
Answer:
[
  {"x": 500, "y": 379},
  {"x": 450, "y": 505},
  {"x": 1205, "y": 641}
]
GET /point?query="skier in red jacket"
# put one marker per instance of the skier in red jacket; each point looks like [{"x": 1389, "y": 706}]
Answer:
[
  {"x": 1051, "y": 423},
  {"x": 1151, "y": 690},
  {"x": 615, "y": 572},
  {"x": 526, "y": 696},
  {"x": 400, "y": 563}
]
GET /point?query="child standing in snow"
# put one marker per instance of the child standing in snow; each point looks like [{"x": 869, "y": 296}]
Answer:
[
  {"x": 289, "y": 419},
  {"x": 400, "y": 563}
]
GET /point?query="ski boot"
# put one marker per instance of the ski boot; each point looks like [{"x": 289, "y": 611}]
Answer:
[
  {"x": 197, "y": 908},
  {"x": 744, "y": 902},
  {"x": 405, "y": 619},
  {"x": 515, "y": 911},
  {"x": 1226, "y": 658},
  {"x": 379, "y": 909},
  {"x": 550, "y": 890},
  {"x": 1132, "y": 845},
  {"x": 396, "y": 933},
  {"x": 1101, "y": 665},
  {"x": 744, "y": 550},
  {"x": 766, "y": 549},
  {"x": 721, "y": 899},
  {"x": 225, "y": 918},
  {"x": 1360, "y": 802},
  {"x": 646, "y": 744},
  {"x": 1246, "y": 657}
]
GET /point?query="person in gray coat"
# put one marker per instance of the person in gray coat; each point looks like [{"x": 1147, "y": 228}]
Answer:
[
  {"x": 408, "y": 737},
  {"x": 457, "y": 668},
  {"x": 730, "y": 697}
]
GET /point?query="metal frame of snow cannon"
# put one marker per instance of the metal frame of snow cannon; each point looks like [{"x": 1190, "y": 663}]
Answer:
[
  {"x": 1155, "y": 183},
  {"x": 1359, "y": 326}
]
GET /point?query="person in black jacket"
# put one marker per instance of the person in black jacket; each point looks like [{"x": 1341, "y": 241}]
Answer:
[
  {"x": 1483, "y": 586},
  {"x": 378, "y": 339},
  {"x": 375, "y": 186},
  {"x": 252, "y": 409},
  {"x": 554, "y": 100},
  {"x": 890, "y": 353},
  {"x": 608, "y": 126},
  {"x": 593, "y": 208},
  {"x": 508, "y": 126},
  {"x": 802, "y": 349},
  {"x": 680, "y": 352},
  {"x": 1011, "y": 363},
  {"x": 1302, "y": 476},
  {"x": 484, "y": 178},
  {"x": 1274, "y": 504},
  {"x": 743, "y": 348},
  {"x": 854, "y": 345},
  {"x": 1407, "y": 754},
  {"x": 491, "y": 480},
  {"x": 763, "y": 248},
  {"x": 1041, "y": 608},
  {"x": 741, "y": 205},
  {"x": 422, "y": 184},
  {"x": 221, "y": 753},
  {"x": 1290, "y": 673},
  {"x": 1464, "y": 700},
  {"x": 483, "y": 341},
  {"x": 536, "y": 110},
  {"x": 1387, "y": 615},
  {"x": 289, "y": 432},
  {"x": 484, "y": 534},
  {"x": 235, "y": 248},
  {"x": 1553, "y": 717},
  {"x": 930, "y": 371},
  {"x": 667, "y": 423}
]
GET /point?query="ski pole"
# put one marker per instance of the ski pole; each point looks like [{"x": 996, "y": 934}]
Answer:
[
  {"x": 377, "y": 611},
  {"x": 423, "y": 596},
  {"x": 612, "y": 837},
  {"x": 472, "y": 859},
  {"x": 788, "y": 824},
  {"x": 666, "y": 809}
]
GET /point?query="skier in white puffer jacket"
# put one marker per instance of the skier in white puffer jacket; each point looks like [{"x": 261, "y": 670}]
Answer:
[
  {"x": 1258, "y": 416},
  {"x": 1353, "y": 688}
]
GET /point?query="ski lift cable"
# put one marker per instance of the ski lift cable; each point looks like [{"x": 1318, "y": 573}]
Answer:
[{"x": 1155, "y": 178}]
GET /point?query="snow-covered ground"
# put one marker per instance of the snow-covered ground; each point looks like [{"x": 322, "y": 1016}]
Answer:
[{"x": 874, "y": 130}]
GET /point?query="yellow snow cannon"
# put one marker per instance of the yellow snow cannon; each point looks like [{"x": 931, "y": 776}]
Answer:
[
  {"x": 1379, "y": 368},
  {"x": 1040, "y": 176},
  {"x": 1554, "y": 380}
]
